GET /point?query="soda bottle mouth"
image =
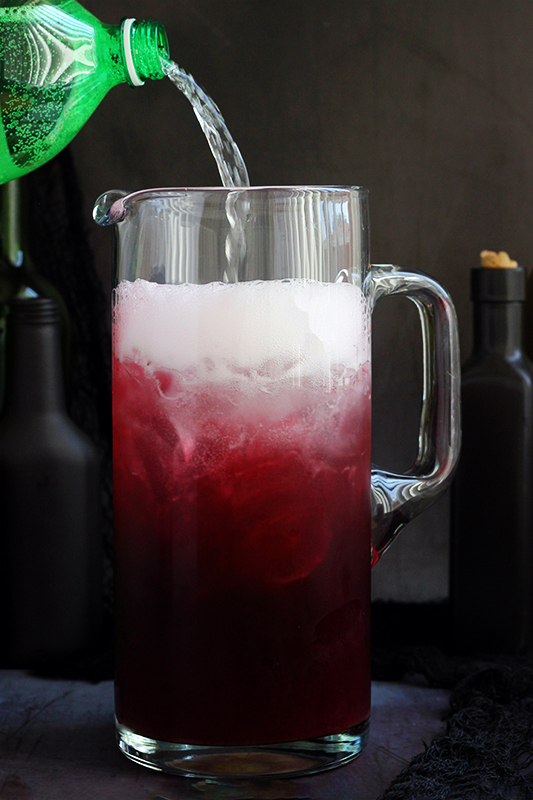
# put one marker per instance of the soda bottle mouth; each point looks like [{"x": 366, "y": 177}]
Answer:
[{"x": 145, "y": 47}]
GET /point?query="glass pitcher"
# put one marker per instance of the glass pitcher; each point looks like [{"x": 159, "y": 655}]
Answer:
[{"x": 247, "y": 511}]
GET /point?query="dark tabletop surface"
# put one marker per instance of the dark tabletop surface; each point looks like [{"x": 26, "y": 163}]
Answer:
[{"x": 57, "y": 743}]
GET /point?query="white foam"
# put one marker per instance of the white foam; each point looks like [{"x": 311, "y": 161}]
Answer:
[{"x": 261, "y": 330}]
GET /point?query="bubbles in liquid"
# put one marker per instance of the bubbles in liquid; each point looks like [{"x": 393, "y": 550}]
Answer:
[{"x": 227, "y": 155}]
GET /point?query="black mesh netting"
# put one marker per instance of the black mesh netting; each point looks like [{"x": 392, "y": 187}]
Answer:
[{"x": 486, "y": 750}]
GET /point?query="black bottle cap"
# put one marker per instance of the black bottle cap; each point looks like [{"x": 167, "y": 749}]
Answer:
[
  {"x": 34, "y": 310},
  {"x": 498, "y": 284}
]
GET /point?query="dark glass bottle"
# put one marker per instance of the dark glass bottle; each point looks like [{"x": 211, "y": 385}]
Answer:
[
  {"x": 492, "y": 522},
  {"x": 18, "y": 277},
  {"x": 50, "y": 537}
]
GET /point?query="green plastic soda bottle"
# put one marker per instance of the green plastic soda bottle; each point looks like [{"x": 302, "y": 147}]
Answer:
[{"x": 57, "y": 61}]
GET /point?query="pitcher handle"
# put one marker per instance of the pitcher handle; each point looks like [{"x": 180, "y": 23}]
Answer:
[{"x": 397, "y": 498}]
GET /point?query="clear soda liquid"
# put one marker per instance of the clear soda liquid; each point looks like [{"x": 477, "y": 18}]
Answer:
[{"x": 227, "y": 155}]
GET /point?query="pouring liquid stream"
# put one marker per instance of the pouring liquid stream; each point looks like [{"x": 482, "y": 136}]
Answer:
[{"x": 227, "y": 155}]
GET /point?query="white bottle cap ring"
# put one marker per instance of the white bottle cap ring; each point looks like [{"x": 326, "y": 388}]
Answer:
[{"x": 126, "y": 38}]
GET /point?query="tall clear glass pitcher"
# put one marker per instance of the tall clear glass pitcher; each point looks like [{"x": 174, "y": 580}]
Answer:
[{"x": 247, "y": 512}]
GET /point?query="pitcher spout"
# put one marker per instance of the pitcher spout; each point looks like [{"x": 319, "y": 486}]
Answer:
[{"x": 110, "y": 207}]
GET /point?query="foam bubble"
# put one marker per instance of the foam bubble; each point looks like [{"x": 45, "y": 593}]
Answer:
[{"x": 261, "y": 330}]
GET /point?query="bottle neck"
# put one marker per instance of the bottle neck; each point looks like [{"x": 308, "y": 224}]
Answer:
[
  {"x": 144, "y": 49},
  {"x": 34, "y": 375},
  {"x": 10, "y": 222},
  {"x": 14, "y": 255},
  {"x": 498, "y": 328}
]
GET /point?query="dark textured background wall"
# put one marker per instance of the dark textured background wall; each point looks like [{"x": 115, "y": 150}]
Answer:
[{"x": 427, "y": 103}]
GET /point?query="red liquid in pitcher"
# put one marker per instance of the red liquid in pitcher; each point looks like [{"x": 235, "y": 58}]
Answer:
[{"x": 242, "y": 540}]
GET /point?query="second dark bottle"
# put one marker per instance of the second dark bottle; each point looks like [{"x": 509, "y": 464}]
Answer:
[
  {"x": 492, "y": 519},
  {"x": 50, "y": 537}
]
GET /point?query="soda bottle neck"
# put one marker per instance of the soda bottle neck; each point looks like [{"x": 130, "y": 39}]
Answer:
[{"x": 145, "y": 47}]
